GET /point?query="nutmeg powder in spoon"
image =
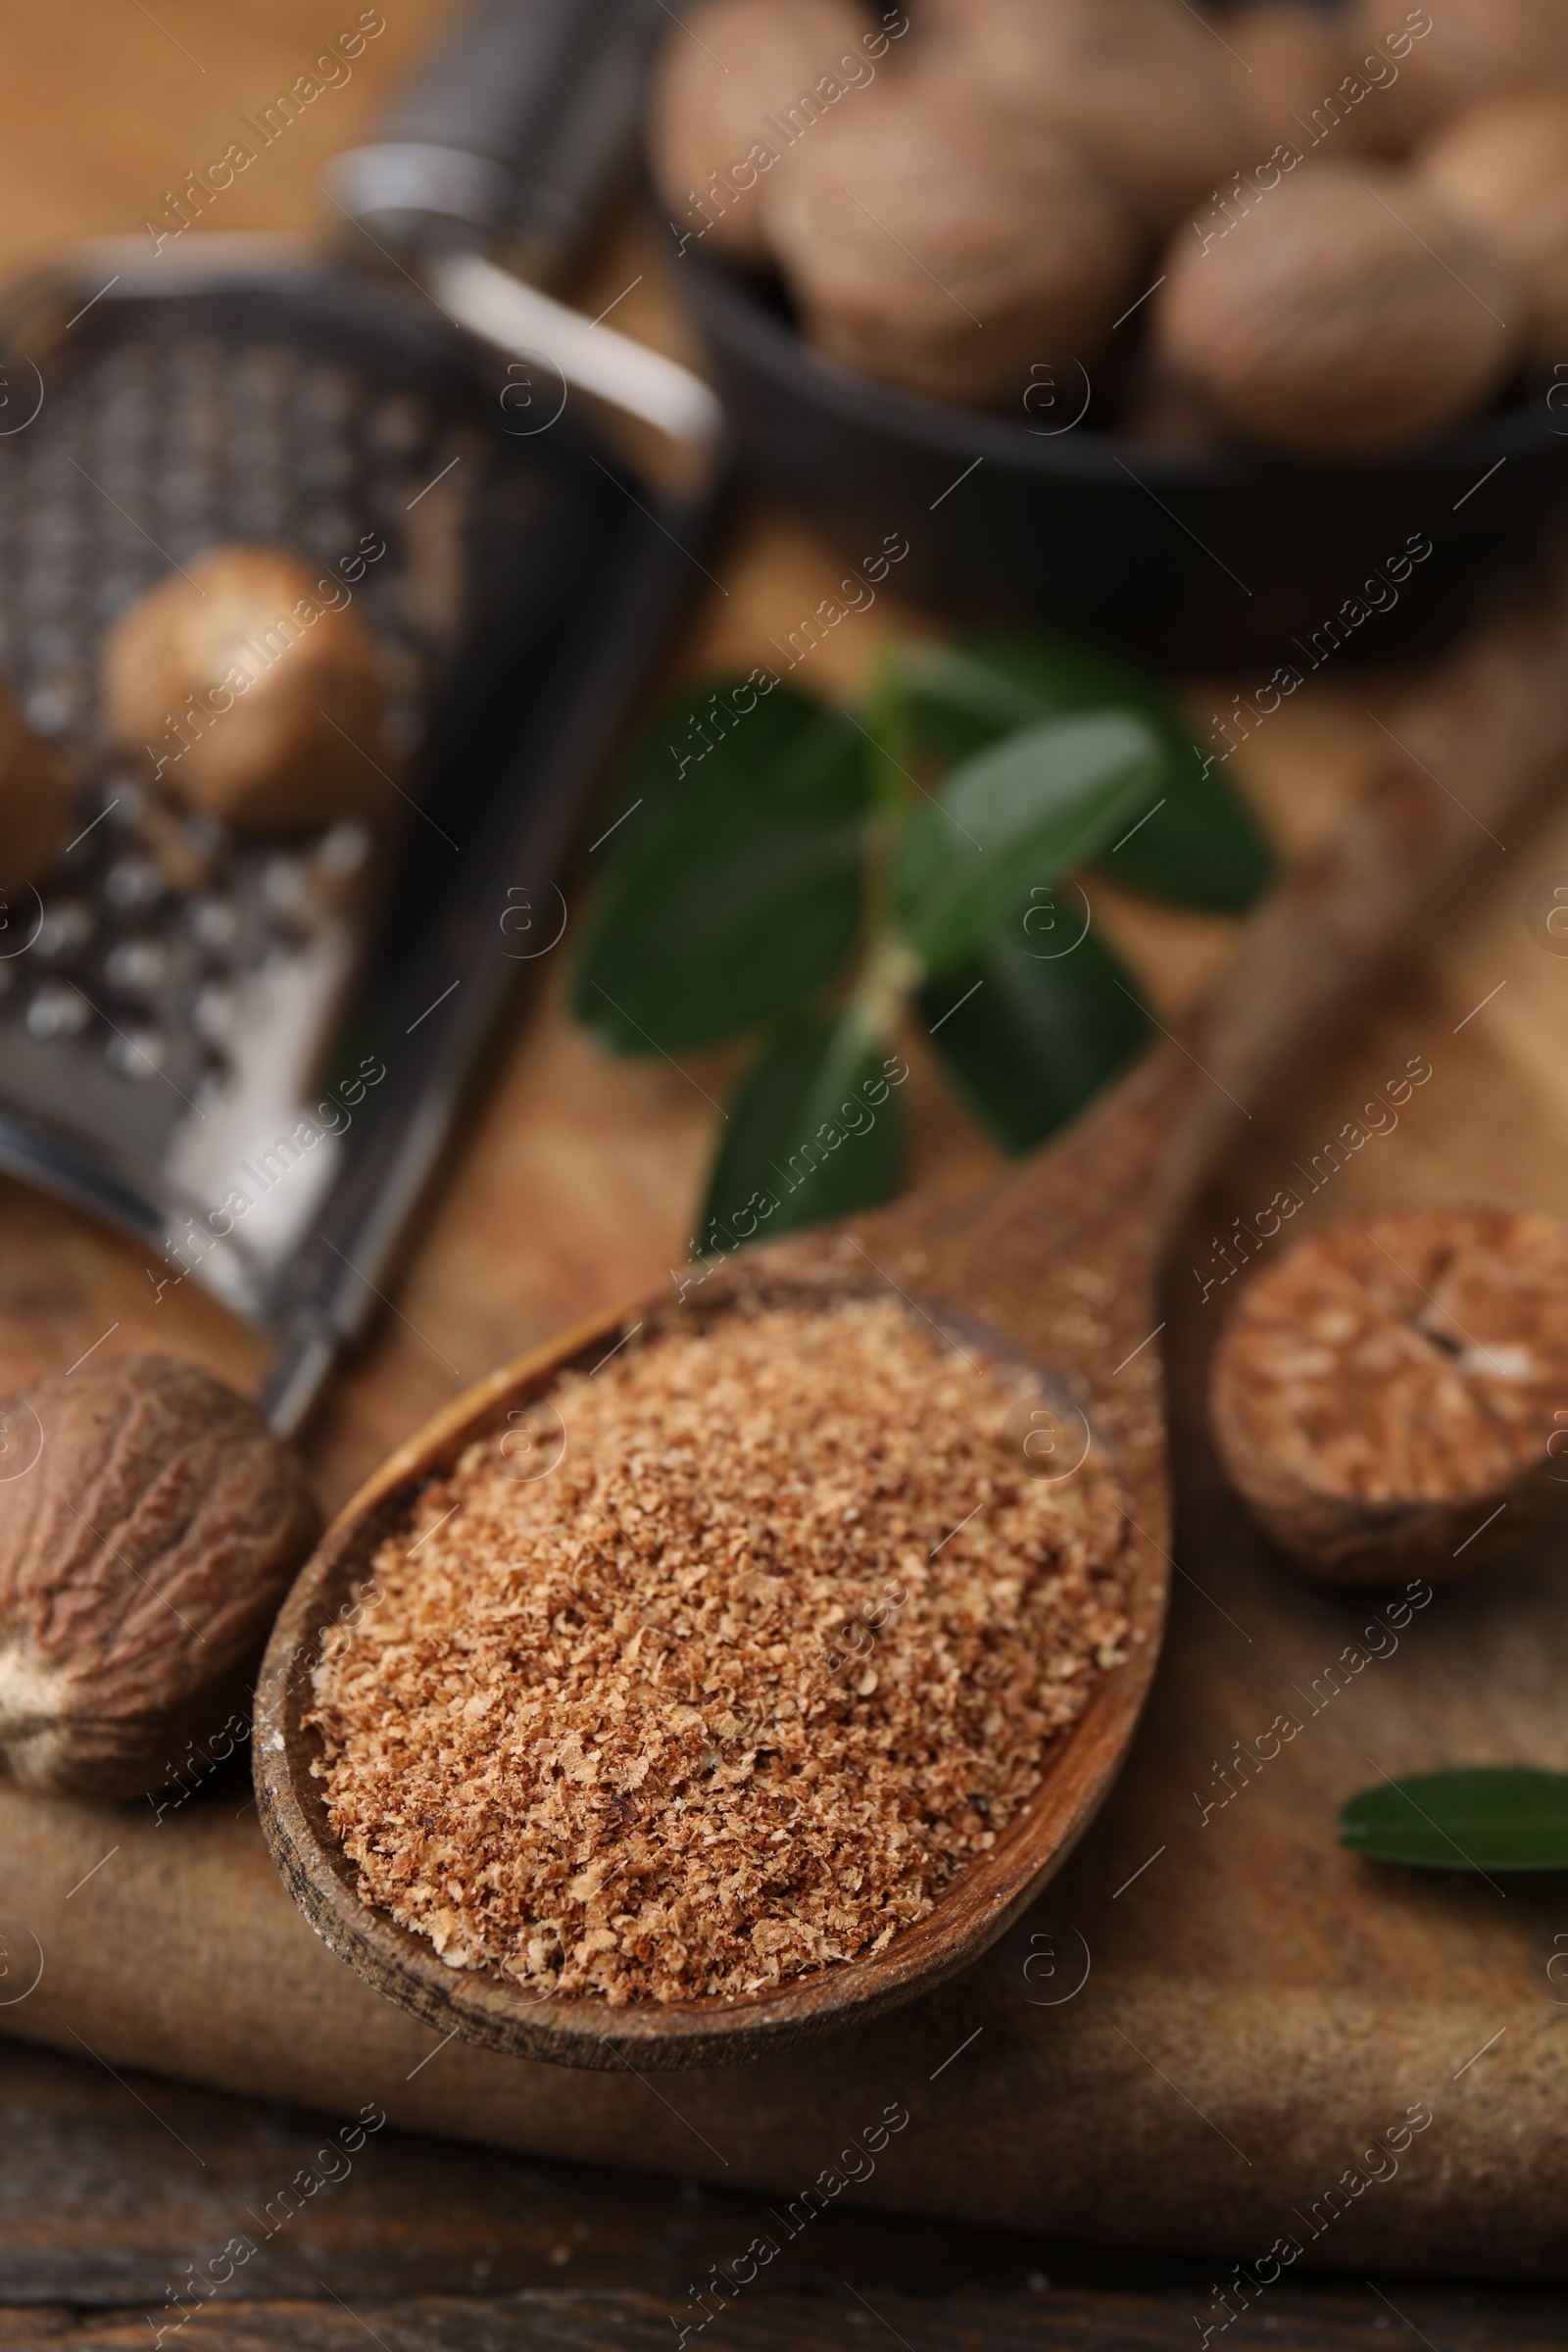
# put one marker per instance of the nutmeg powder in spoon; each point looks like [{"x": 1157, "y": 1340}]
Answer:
[{"x": 735, "y": 1690}]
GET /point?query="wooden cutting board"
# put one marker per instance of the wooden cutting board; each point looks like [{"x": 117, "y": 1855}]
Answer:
[{"x": 1258, "y": 2006}]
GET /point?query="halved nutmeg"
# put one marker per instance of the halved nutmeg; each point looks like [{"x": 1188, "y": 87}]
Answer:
[
  {"x": 1392, "y": 1396},
  {"x": 150, "y": 1524}
]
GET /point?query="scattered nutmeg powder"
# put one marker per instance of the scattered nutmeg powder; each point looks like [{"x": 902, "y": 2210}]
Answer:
[{"x": 605, "y": 1731}]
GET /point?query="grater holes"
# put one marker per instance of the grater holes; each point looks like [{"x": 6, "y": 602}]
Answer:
[
  {"x": 56, "y": 1010},
  {"x": 66, "y": 930},
  {"x": 138, "y": 966},
  {"x": 399, "y": 423},
  {"x": 133, "y": 885},
  {"x": 181, "y": 445},
  {"x": 139, "y": 1053}
]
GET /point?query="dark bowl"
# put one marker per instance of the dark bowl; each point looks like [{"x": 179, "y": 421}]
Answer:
[{"x": 1219, "y": 556}]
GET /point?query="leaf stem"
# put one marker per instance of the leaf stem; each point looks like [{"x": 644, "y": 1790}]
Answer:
[
  {"x": 889, "y": 978},
  {"x": 888, "y": 973},
  {"x": 886, "y": 721}
]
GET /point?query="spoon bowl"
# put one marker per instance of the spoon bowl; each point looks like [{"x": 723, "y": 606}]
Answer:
[{"x": 487, "y": 2007}]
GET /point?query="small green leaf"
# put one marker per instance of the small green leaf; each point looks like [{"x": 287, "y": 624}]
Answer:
[
  {"x": 714, "y": 735},
  {"x": 959, "y": 698},
  {"x": 735, "y": 890},
  {"x": 1487, "y": 1817},
  {"x": 815, "y": 1130},
  {"x": 1203, "y": 847},
  {"x": 884, "y": 714},
  {"x": 1023, "y": 813},
  {"x": 1027, "y": 1040}
]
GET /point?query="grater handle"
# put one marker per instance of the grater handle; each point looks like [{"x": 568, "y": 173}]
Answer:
[{"x": 514, "y": 137}]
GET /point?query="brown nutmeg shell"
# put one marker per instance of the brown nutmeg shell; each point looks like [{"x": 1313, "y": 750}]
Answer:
[
  {"x": 1145, "y": 87},
  {"x": 146, "y": 1542},
  {"x": 1504, "y": 168},
  {"x": 736, "y": 84},
  {"x": 252, "y": 695},
  {"x": 1463, "y": 51},
  {"x": 936, "y": 244},
  {"x": 1344, "y": 313},
  {"x": 1390, "y": 1397},
  {"x": 1306, "y": 86}
]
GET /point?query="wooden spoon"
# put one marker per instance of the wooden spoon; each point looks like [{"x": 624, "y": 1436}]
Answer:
[{"x": 1061, "y": 1261}]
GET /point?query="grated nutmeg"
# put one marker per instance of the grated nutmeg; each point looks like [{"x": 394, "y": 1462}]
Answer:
[{"x": 778, "y": 1649}]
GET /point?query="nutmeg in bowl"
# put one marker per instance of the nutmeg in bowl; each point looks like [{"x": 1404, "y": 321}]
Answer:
[
  {"x": 1020, "y": 478},
  {"x": 1352, "y": 315},
  {"x": 726, "y": 99},
  {"x": 1142, "y": 87},
  {"x": 1504, "y": 168},
  {"x": 1308, "y": 88},
  {"x": 939, "y": 245},
  {"x": 1464, "y": 51}
]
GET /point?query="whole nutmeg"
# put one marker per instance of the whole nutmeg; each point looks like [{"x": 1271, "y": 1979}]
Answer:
[
  {"x": 1459, "y": 51},
  {"x": 150, "y": 1524},
  {"x": 253, "y": 691},
  {"x": 35, "y": 794},
  {"x": 1143, "y": 85},
  {"x": 939, "y": 246},
  {"x": 1304, "y": 85},
  {"x": 736, "y": 84},
  {"x": 1505, "y": 168},
  {"x": 1347, "y": 313},
  {"x": 1393, "y": 1397}
]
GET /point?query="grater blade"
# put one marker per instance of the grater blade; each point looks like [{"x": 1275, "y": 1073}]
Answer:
[{"x": 188, "y": 1020}]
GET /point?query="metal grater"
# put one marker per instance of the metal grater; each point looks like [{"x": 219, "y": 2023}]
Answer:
[
  {"x": 187, "y": 1017},
  {"x": 170, "y": 991}
]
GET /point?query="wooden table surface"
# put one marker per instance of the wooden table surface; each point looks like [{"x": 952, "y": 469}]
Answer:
[{"x": 575, "y": 1188}]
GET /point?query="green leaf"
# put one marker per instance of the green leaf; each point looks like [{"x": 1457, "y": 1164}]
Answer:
[
  {"x": 734, "y": 891},
  {"x": 815, "y": 1130},
  {"x": 1485, "y": 1817},
  {"x": 1027, "y": 1040},
  {"x": 1203, "y": 848},
  {"x": 959, "y": 698},
  {"x": 1021, "y": 814},
  {"x": 1200, "y": 847},
  {"x": 885, "y": 715}
]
